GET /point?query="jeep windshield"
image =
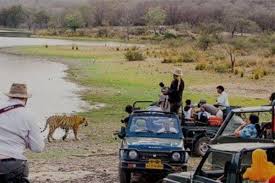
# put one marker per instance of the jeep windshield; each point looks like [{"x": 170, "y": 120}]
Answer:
[
  {"x": 240, "y": 118},
  {"x": 214, "y": 166},
  {"x": 154, "y": 125}
]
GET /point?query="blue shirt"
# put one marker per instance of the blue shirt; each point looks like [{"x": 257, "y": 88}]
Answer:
[{"x": 249, "y": 131}]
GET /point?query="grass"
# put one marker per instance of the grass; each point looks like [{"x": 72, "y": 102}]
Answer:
[
  {"x": 84, "y": 53},
  {"x": 79, "y": 38},
  {"x": 114, "y": 81}
]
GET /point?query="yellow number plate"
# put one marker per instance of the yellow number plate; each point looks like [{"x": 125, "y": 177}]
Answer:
[{"x": 154, "y": 164}]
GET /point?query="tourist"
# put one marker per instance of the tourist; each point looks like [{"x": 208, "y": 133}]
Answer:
[
  {"x": 249, "y": 129},
  {"x": 175, "y": 91},
  {"x": 261, "y": 169},
  {"x": 210, "y": 109},
  {"x": 128, "y": 110},
  {"x": 222, "y": 99},
  {"x": 18, "y": 131},
  {"x": 187, "y": 110},
  {"x": 164, "y": 99}
]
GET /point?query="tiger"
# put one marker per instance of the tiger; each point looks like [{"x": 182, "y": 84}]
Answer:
[{"x": 65, "y": 122}]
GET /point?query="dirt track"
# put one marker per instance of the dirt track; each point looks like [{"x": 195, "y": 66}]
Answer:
[{"x": 95, "y": 163}]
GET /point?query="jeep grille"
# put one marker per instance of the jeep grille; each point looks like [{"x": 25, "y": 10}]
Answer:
[{"x": 154, "y": 155}]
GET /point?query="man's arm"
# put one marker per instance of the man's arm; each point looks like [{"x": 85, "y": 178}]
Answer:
[
  {"x": 35, "y": 141},
  {"x": 173, "y": 88},
  {"x": 183, "y": 85}
]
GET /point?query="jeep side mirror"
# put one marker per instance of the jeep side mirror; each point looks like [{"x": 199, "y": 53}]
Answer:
[{"x": 122, "y": 133}]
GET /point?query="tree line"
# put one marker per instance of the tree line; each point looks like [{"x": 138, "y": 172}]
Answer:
[{"x": 229, "y": 15}]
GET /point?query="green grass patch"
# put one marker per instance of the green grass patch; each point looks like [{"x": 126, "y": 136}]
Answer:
[{"x": 83, "y": 53}]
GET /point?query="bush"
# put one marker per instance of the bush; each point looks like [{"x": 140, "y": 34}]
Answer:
[
  {"x": 138, "y": 31},
  {"x": 134, "y": 55},
  {"x": 174, "y": 59},
  {"x": 204, "y": 42},
  {"x": 259, "y": 72},
  {"x": 102, "y": 32},
  {"x": 242, "y": 73},
  {"x": 189, "y": 56},
  {"x": 201, "y": 66},
  {"x": 173, "y": 56},
  {"x": 222, "y": 68},
  {"x": 272, "y": 49},
  {"x": 170, "y": 35}
]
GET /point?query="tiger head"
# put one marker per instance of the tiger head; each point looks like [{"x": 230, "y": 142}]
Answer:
[{"x": 84, "y": 121}]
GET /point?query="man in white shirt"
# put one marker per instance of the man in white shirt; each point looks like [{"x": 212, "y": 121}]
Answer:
[
  {"x": 18, "y": 131},
  {"x": 222, "y": 99},
  {"x": 168, "y": 127}
]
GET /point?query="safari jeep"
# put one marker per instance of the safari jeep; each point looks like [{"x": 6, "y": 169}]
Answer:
[
  {"x": 266, "y": 116},
  {"x": 152, "y": 143},
  {"x": 223, "y": 163}
]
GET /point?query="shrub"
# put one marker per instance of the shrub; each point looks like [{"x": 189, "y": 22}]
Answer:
[
  {"x": 103, "y": 32},
  {"x": 221, "y": 68},
  {"x": 272, "y": 49},
  {"x": 259, "y": 72},
  {"x": 169, "y": 35},
  {"x": 204, "y": 42},
  {"x": 189, "y": 56},
  {"x": 256, "y": 76},
  {"x": 201, "y": 66},
  {"x": 174, "y": 59},
  {"x": 167, "y": 60},
  {"x": 242, "y": 73},
  {"x": 134, "y": 55},
  {"x": 138, "y": 31}
]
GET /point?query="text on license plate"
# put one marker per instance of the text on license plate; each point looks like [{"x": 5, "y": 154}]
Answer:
[{"x": 154, "y": 164}]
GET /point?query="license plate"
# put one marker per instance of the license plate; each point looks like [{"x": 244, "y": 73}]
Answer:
[{"x": 154, "y": 164}]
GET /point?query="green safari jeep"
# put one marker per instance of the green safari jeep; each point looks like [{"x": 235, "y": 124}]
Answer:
[{"x": 223, "y": 163}]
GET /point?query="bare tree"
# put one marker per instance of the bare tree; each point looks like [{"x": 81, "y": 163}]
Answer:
[
  {"x": 99, "y": 12},
  {"x": 173, "y": 12}
]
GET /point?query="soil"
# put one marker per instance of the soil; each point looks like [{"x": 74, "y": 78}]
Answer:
[{"x": 98, "y": 163}]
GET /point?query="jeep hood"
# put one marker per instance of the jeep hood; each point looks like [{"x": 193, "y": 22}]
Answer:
[{"x": 145, "y": 143}]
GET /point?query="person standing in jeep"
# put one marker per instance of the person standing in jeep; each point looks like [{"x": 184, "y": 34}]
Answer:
[
  {"x": 18, "y": 131},
  {"x": 175, "y": 91}
]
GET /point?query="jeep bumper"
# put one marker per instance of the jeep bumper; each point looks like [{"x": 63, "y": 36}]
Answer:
[{"x": 135, "y": 166}]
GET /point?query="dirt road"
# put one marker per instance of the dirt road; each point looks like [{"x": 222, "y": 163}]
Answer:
[{"x": 95, "y": 163}]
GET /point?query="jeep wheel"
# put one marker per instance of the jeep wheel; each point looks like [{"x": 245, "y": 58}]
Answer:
[
  {"x": 201, "y": 146},
  {"x": 124, "y": 176}
]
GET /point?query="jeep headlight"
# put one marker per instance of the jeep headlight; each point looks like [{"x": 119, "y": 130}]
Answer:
[
  {"x": 176, "y": 156},
  {"x": 133, "y": 154}
]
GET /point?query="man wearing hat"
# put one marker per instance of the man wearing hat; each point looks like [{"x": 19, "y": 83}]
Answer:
[
  {"x": 175, "y": 91},
  {"x": 18, "y": 131}
]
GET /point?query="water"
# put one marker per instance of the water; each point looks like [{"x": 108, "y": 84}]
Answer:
[
  {"x": 51, "y": 93},
  {"x": 16, "y": 41}
]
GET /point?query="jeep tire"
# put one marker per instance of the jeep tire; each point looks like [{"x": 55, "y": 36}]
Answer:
[
  {"x": 201, "y": 146},
  {"x": 124, "y": 176}
]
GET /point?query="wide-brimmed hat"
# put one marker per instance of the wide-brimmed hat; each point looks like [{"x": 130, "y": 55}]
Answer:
[
  {"x": 18, "y": 91},
  {"x": 177, "y": 72}
]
